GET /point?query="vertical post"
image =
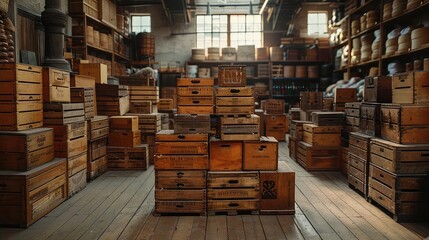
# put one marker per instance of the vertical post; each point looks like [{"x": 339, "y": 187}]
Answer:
[{"x": 54, "y": 21}]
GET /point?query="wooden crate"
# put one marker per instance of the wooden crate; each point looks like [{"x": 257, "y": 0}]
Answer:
[
  {"x": 26, "y": 149},
  {"x": 97, "y": 149},
  {"x": 406, "y": 124},
  {"x": 21, "y": 95},
  {"x": 96, "y": 70},
  {"x": 315, "y": 159},
  {"x": 125, "y": 139},
  {"x": 277, "y": 191},
  {"x": 276, "y": 126},
  {"x": 145, "y": 107},
  {"x": 70, "y": 148},
  {"x": 378, "y": 89},
  {"x": 148, "y": 123},
  {"x": 195, "y": 101},
  {"x": 190, "y": 123},
  {"x": 193, "y": 207},
  {"x": 28, "y": 196},
  {"x": 125, "y": 158},
  {"x": 69, "y": 131},
  {"x": 234, "y": 92},
  {"x": 82, "y": 81},
  {"x": 169, "y": 143},
  {"x": 188, "y": 82},
  {"x": 137, "y": 81},
  {"x": 235, "y": 110},
  {"x": 77, "y": 182},
  {"x": 260, "y": 155},
  {"x": 277, "y": 71},
  {"x": 235, "y": 101},
  {"x": 113, "y": 106},
  {"x": 225, "y": 155},
  {"x": 98, "y": 127},
  {"x": 311, "y": 100},
  {"x": 405, "y": 196},
  {"x": 85, "y": 96},
  {"x": 144, "y": 93},
  {"x": 274, "y": 106},
  {"x": 344, "y": 95},
  {"x": 124, "y": 123},
  {"x": 232, "y": 76},
  {"x": 110, "y": 90},
  {"x": 89, "y": 7},
  {"x": 197, "y": 91},
  {"x": 240, "y": 128},
  {"x": 410, "y": 87},
  {"x": 107, "y": 12},
  {"x": 322, "y": 136},
  {"x": 195, "y": 109},
  {"x": 172, "y": 179},
  {"x": 56, "y": 85},
  {"x": 292, "y": 145},
  {"x": 327, "y": 118},
  {"x": 165, "y": 104},
  {"x": 328, "y": 103},
  {"x": 297, "y": 129},
  {"x": 370, "y": 119},
  {"x": 63, "y": 113}
]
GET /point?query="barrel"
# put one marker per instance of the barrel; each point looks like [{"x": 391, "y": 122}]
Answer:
[
  {"x": 301, "y": 71},
  {"x": 355, "y": 27},
  {"x": 103, "y": 40},
  {"x": 229, "y": 54},
  {"x": 313, "y": 71},
  {"x": 371, "y": 19},
  {"x": 147, "y": 44},
  {"x": 289, "y": 71}
]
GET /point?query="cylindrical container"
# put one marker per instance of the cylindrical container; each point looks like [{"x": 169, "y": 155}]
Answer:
[
  {"x": 313, "y": 71},
  {"x": 355, "y": 27},
  {"x": 426, "y": 64},
  {"x": 214, "y": 72},
  {"x": 398, "y": 7},
  {"x": 229, "y": 54},
  {"x": 213, "y": 53},
  {"x": 404, "y": 43},
  {"x": 408, "y": 67},
  {"x": 96, "y": 38},
  {"x": 103, "y": 40},
  {"x": 301, "y": 71},
  {"x": 363, "y": 23},
  {"x": 357, "y": 43},
  {"x": 419, "y": 37},
  {"x": 391, "y": 46},
  {"x": 411, "y": 4},
  {"x": 192, "y": 71},
  {"x": 203, "y": 72},
  {"x": 418, "y": 66},
  {"x": 276, "y": 53},
  {"x": 90, "y": 34},
  {"x": 289, "y": 71},
  {"x": 262, "y": 53},
  {"x": 387, "y": 11},
  {"x": 198, "y": 54},
  {"x": 147, "y": 44},
  {"x": 371, "y": 19}
]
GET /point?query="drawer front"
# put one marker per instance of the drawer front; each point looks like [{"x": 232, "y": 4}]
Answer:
[
  {"x": 180, "y": 182},
  {"x": 188, "y": 148},
  {"x": 359, "y": 142},
  {"x": 233, "y": 193},
  {"x": 180, "y": 207},
  {"x": 357, "y": 162},
  {"x": 363, "y": 154},
  {"x": 181, "y": 174},
  {"x": 190, "y": 162},
  {"x": 232, "y": 205},
  {"x": 195, "y": 101},
  {"x": 234, "y": 91},
  {"x": 188, "y": 82},
  {"x": 358, "y": 184},
  {"x": 382, "y": 176},
  {"x": 357, "y": 174},
  {"x": 183, "y": 194},
  {"x": 232, "y": 181},
  {"x": 195, "y": 91}
]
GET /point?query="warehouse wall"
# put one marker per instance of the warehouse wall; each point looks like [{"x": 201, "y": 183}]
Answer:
[
  {"x": 168, "y": 46},
  {"x": 301, "y": 19}
]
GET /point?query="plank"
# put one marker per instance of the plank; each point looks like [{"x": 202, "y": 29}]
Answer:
[
  {"x": 184, "y": 228},
  {"x": 199, "y": 228},
  {"x": 148, "y": 229},
  {"x": 216, "y": 228},
  {"x": 235, "y": 228},
  {"x": 253, "y": 227},
  {"x": 303, "y": 224},
  {"x": 165, "y": 228},
  {"x": 271, "y": 227},
  {"x": 290, "y": 230}
]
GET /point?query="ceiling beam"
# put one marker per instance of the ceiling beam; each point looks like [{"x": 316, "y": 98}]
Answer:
[{"x": 276, "y": 17}]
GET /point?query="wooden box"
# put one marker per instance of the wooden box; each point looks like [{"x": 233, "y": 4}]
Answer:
[
  {"x": 370, "y": 119},
  {"x": 192, "y": 179},
  {"x": 26, "y": 149},
  {"x": 297, "y": 130},
  {"x": 85, "y": 96},
  {"x": 410, "y": 87},
  {"x": 181, "y": 162},
  {"x": 378, "y": 89},
  {"x": 107, "y": 12},
  {"x": 70, "y": 148},
  {"x": 292, "y": 145},
  {"x": 277, "y": 189},
  {"x": 97, "y": 149},
  {"x": 56, "y": 85},
  {"x": 69, "y": 131},
  {"x": 400, "y": 159},
  {"x": 125, "y": 158},
  {"x": 234, "y": 92},
  {"x": 113, "y": 106},
  {"x": 148, "y": 123},
  {"x": 327, "y": 118},
  {"x": 322, "y": 136},
  {"x": 235, "y": 110},
  {"x": 145, "y": 107},
  {"x": 98, "y": 127},
  {"x": 21, "y": 94},
  {"x": 234, "y": 101},
  {"x": 188, "y": 82},
  {"x": 344, "y": 95},
  {"x": 407, "y": 124},
  {"x": 195, "y": 109},
  {"x": 274, "y": 106},
  {"x": 311, "y": 100},
  {"x": 144, "y": 93},
  {"x": 28, "y": 196},
  {"x": 232, "y": 76},
  {"x": 191, "y": 123},
  {"x": 240, "y": 128},
  {"x": 125, "y": 139},
  {"x": 124, "y": 123},
  {"x": 180, "y": 207},
  {"x": 82, "y": 81},
  {"x": 137, "y": 81},
  {"x": 405, "y": 196},
  {"x": 77, "y": 182},
  {"x": 96, "y": 168},
  {"x": 165, "y": 104},
  {"x": 260, "y": 155},
  {"x": 180, "y": 194},
  {"x": 276, "y": 125},
  {"x": 278, "y": 132},
  {"x": 110, "y": 90},
  {"x": 84, "y": 6},
  {"x": 96, "y": 70},
  {"x": 353, "y": 109},
  {"x": 169, "y": 143},
  {"x": 312, "y": 158},
  {"x": 197, "y": 91},
  {"x": 63, "y": 113},
  {"x": 225, "y": 155}
]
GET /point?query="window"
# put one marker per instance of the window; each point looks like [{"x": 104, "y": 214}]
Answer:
[
  {"x": 140, "y": 23},
  {"x": 317, "y": 23},
  {"x": 228, "y": 30}
]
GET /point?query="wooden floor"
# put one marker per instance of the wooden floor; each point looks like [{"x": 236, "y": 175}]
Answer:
[{"x": 118, "y": 205}]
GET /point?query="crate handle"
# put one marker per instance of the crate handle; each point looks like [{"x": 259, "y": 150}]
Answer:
[
  {"x": 180, "y": 174},
  {"x": 233, "y": 181},
  {"x": 194, "y": 92},
  {"x": 225, "y": 145},
  {"x": 195, "y": 102},
  {"x": 195, "y": 81},
  {"x": 233, "y": 205},
  {"x": 30, "y": 97},
  {"x": 381, "y": 175},
  {"x": 381, "y": 149},
  {"x": 425, "y": 155},
  {"x": 180, "y": 206},
  {"x": 381, "y": 198},
  {"x": 192, "y": 129},
  {"x": 180, "y": 185},
  {"x": 262, "y": 147},
  {"x": 234, "y": 90},
  {"x": 30, "y": 68},
  {"x": 181, "y": 136},
  {"x": 60, "y": 78}
]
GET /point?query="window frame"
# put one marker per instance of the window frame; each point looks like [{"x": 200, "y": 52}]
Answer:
[
  {"x": 141, "y": 26},
  {"x": 324, "y": 34}
]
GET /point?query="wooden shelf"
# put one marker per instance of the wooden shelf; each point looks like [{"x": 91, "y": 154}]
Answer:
[
  {"x": 338, "y": 24},
  {"x": 106, "y": 26},
  {"x": 142, "y": 62},
  {"x": 123, "y": 57},
  {"x": 341, "y": 70},
  {"x": 296, "y": 79},
  {"x": 287, "y": 95},
  {"x": 414, "y": 51},
  {"x": 99, "y": 49},
  {"x": 298, "y": 61},
  {"x": 364, "y": 64},
  {"x": 226, "y": 61},
  {"x": 377, "y": 26},
  {"x": 408, "y": 15},
  {"x": 364, "y": 7}
]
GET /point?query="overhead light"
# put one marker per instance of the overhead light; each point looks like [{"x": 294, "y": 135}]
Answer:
[
  {"x": 263, "y": 7},
  {"x": 251, "y": 8},
  {"x": 209, "y": 11}
]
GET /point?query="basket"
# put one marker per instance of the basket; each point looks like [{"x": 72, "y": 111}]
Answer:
[{"x": 4, "y": 6}]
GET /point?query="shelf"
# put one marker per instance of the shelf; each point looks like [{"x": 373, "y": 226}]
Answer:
[
  {"x": 298, "y": 61},
  {"x": 418, "y": 50},
  {"x": 123, "y": 57},
  {"x": 364, "y": 64},
  {"x": 407, "y": 15},
  {"x": 298, "y": 46},
  {"x": 252, "y": 78},
  {"x": 297, "y": 79},
  {"x": 281, "y": 95},
  {"x": 338, "y": 24},
  {"x": 99, "y": 49},
  {"x": 366, "y": 31},
  {"x": 106, "y": 26},
  {"x": 226, "y": 61},
  {"x": 364, "y": 7}
]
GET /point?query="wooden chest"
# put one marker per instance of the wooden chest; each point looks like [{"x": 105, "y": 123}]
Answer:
[
  {"x": 98, "y": 127},
  {"x": 110, "y": 90},
  {"x": 85, "y": 96},
  {"x": 70, "y": 148},
  {"x": 292, "y": 145},
  {"x": 148, "y": 123},
  {"x": 313, "y": 158},
  {"x": 277, "y": 189},
  {"x": 225, "y": 155},
  {"x": 126, "y": 158},
  {"x": 56, "y": 85},
  {"x": 370, "y": 119},
  {"x": 311, "y": 100},
  {"x": 322, "y": 136},
  {"x": 232, "y": 76},
  {"x": 378, "y": 89},
  {"x": 400, "y": 159},
  {"x": 142, "y": 107},
  {"x": 25, "y": 197},
  {"x": 240, "y": 128},
  {"x": 345, "y": 95},
  {"x": 297, "y": 130},
  {"x": 125, "y": 139},
  {"x": 410, "y": 87},
  {"x": 260, "y": 155},
  {"x": 327, "y": 118},
  {"x": 113, "y": 106},
  {"x": 405, "y": 196},
  {"x": 274, "y": 106},
  {"x": 26, "y": 149},
  {"x": 63, "y": 113},
  {"x": 407, "y": 124},
  {"x": 124, "y": 123},
  {"x": 69, "y": 131},
  {"x": 232, "y": 191},
  {"x": 191, "y": 123},
  {"x": 21, "y": 97}
]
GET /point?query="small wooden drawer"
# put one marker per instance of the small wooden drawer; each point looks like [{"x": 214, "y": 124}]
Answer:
[
  {"x": 357, "y": 162},
  {"x": 357, "y": 174},
  {"x": 233, "y": 205},
  {"x": 198, "y": 207},
  {"x": 234, "y": 92},
  {"x": 361, "y": 153},
  {"x": 378, "y": 89},
  {"x": 249, "y": 179},
  {"x": 195, "y": 91},
  {"x": 180, "y": 179},
  {"x": 357, "y": 184},
  {"x": 360, "y": 140},
  {"x": 188, "y": 82},
  {"x": 179, "y": 195},
  {"x": 56, "y": 85}
]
